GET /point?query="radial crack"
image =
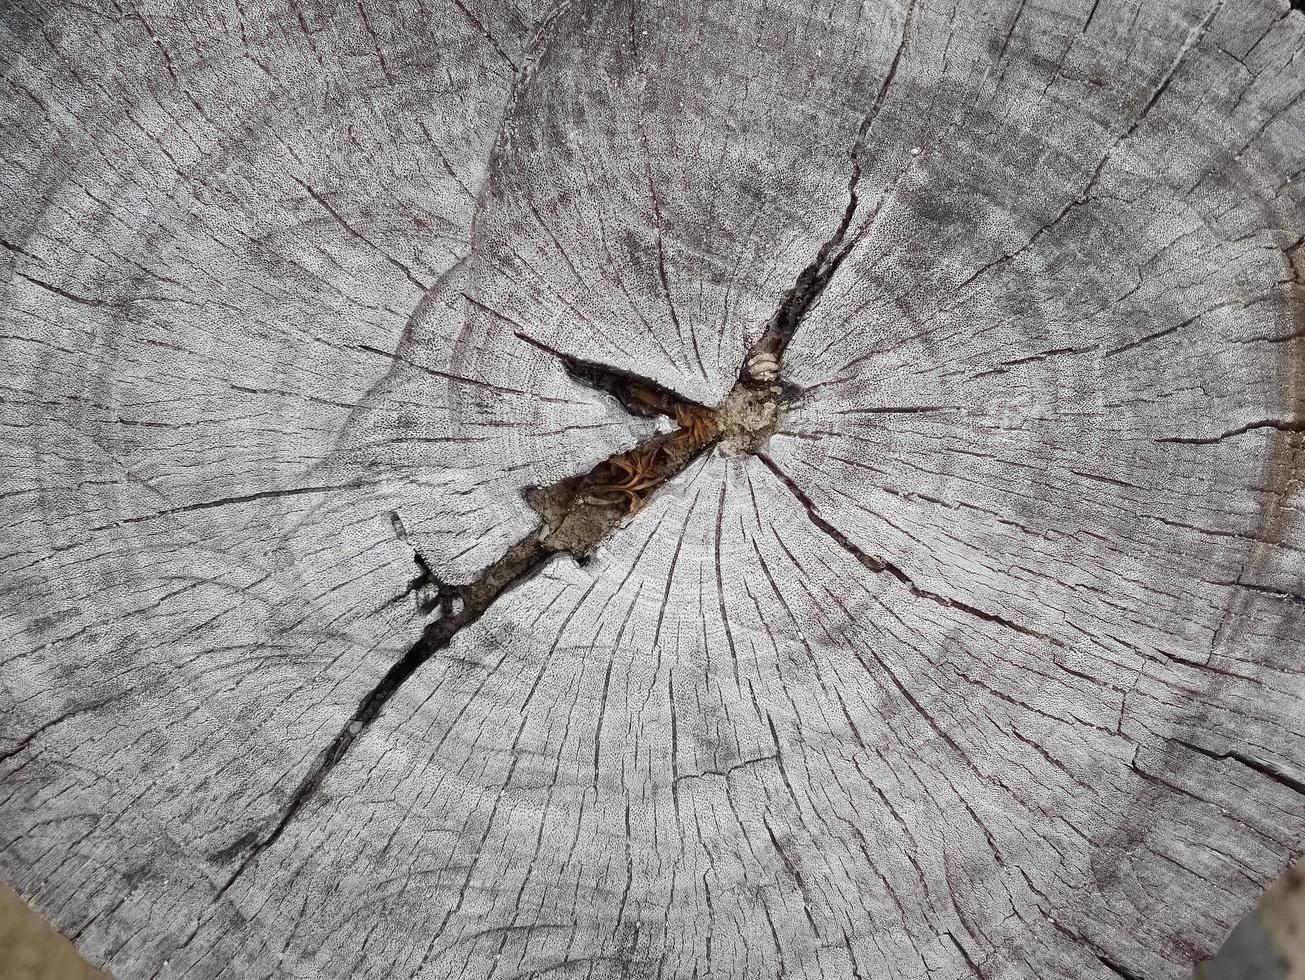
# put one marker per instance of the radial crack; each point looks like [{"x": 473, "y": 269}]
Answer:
[
  {"x": 880, "y": 566},
  {"x": 1282, "y": 425},
  {"x": 813, "y": 279},
  {"x": 1263, "y": 768},
  {"x": 811, "y": 282},
  {"x": 1120, "y": 971},
  {"x": 638, "y": 396},
  {"x": 577, "y": 513}
]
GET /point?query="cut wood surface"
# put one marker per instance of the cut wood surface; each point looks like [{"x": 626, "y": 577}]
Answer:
[{"x": 651, "y": 490}]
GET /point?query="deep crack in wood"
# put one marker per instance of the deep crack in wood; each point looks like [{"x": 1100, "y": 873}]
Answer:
[{"x": 652, "y": 489}]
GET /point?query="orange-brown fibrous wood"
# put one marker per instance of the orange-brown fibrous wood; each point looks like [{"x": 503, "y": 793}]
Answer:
[{"x": 629, "y": 479}]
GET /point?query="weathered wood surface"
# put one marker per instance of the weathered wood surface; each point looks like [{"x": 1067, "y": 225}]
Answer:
[{"x": 985, "y": 662}]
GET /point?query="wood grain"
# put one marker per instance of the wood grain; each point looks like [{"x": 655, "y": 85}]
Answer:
[{"x": 968, "y": 648}]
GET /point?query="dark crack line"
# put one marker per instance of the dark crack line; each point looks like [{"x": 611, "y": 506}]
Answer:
[
  {"x": 637, "y": 395},
  {"x": 1120, "y": 971},
  {"x": 484, "y": 32},
  {"x": 1282, "y": 425},
  {"x": 728, "y": 771},
  {"x": 1079, "y": 939},
  {"x": 74, "y": 297},
  {"x": 425, "y": 577},
  {"x": 974, "y": 967},
  {"x": 880, "y": 566},
  {"x": 472, "y": 602},
  {"x": 811, "y": 281},
  {"x": 816, "y": 276},
  {"x": 353, "y": 232},
  {"x": 1285, "y": 595},
  {"x": 1263, "y": 768},
  {"x": 577, "y": 513},
  {"x": 81, "y": 709},
  {"x": 241, "y": 499}
]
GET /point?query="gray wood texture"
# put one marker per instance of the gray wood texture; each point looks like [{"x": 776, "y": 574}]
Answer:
[{"x": 985, "y": 661}]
